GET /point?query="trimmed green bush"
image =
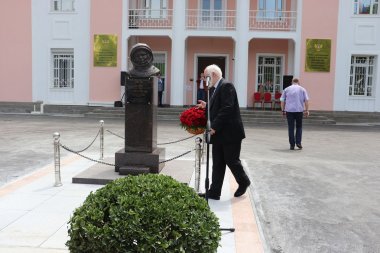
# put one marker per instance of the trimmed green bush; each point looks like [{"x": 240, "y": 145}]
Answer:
[{"x": 145, "y": 213}]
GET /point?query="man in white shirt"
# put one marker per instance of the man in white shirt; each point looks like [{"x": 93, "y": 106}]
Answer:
[{"x": 201, "y": 84}]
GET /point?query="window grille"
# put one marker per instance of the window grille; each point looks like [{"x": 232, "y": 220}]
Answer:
[
  {"x": 62, "y": 5},
  {"x": 269, "y": 73},
  {"x": 362, "y": 75},
  {"x": 362, "y": 7},
  {"x": 62, "y": 69}
]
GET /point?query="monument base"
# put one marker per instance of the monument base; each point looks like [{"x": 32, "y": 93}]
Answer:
[{"x": 136, "y": 162}]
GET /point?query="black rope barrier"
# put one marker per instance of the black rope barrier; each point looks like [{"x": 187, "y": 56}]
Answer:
[
  {"x": 115, "y": 134},
  {"x": 172, "y": 142},
  {"x": 164, "y": 143},
  {"x": 178, "y": 156},
  {"x": 86, "y": 157},
  {"x": 110, "y": 164},
  {"x": 80, "y": 151}
]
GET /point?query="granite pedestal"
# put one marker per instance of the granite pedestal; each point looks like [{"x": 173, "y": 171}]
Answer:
[{"x": 140, "y": 153}]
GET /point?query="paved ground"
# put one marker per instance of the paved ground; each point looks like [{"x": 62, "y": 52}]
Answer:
[{"x": 324, "y": 198}]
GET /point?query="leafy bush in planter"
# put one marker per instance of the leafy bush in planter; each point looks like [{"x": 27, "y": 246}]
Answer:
[{"x": 145, "y": 213}]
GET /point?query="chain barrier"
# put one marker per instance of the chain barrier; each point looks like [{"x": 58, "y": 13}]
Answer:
[
  {"x": 172, "y": 142},
  {"x": 86, "y": 157},
  {"x": 110, "y": 164},
  {"x": 199, "y": 154},
  {"x": 178, "y": 156},
  {"x": 80, "y": 151},
  {"x": 164, "y": 143},
  {"x": 115, "y": 134}
]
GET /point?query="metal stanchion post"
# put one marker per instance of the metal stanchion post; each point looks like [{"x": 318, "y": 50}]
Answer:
[
  {"x": 198, "y": 156},
  {"x": 101, "y": 140},
  {"x": 57, "y": 160},
  {"x": 203, "y": 148}
]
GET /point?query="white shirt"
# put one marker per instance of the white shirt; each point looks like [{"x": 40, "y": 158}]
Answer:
[{"x": 217, "y": 83}]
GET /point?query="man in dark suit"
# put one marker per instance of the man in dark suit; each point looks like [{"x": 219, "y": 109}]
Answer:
[{"x": 227, "y": 133}]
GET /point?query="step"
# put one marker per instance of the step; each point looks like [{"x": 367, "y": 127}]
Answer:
[{"x": 248, "y": 116}]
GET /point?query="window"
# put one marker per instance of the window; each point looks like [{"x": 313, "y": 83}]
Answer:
[
  {"x": 269, "y": 74},
  {"x": 270, "y": 8},
  {"x": 362, "y": 7},
  {"x": 155, "y": 8},
  {"x": 212, "y": 9},
  {"x": 62, "y": 5},
  {"x": 362, "y": 75},
  {"x": 62, "y": 68}
]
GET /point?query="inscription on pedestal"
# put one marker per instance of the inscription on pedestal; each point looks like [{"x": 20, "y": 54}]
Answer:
[{"x": 139, "y": 91}]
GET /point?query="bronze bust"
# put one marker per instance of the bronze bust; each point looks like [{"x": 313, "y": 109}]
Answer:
[{"x": 142, "y": 57}]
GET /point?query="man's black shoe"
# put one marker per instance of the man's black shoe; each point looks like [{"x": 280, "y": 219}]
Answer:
[
  {"x": 299, "y": 146},
  {"x": 242, "y": 189},
  {"x": 210, "y": 196},
  {"x": 214, "y": 197},
  {"x": 291, "y": 147},
  {"x": 202, "y": 195}
]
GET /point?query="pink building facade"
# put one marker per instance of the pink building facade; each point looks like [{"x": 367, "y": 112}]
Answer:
[{"x": 331, "y": 46}]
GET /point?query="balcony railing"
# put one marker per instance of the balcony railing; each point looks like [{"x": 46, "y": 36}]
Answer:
[
  {"x": 150, "y": 19},
  {"x": 198, "y": 19},
  {"x": 272, "y": 20},
  {"x": 210, "y": 19}
]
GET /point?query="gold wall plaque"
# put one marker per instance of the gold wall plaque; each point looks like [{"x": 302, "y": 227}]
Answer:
[
  {"x": 105, "y": 50},
  {"x": 318, "y": 54}
]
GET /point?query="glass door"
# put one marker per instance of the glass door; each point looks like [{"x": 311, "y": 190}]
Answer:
[
  {"x": 271, "y": 9},
  {"x": 212, "y": 13}
]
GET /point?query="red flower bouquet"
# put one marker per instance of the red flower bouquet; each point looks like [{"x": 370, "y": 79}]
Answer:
[{"x": 194, "y": 120}]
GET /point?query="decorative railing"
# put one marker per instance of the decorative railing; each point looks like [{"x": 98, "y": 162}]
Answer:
[
  {"x": 199, "y": 19},
  {"x": 273, "y": 20},
  {"x": 150, "y": 19}
]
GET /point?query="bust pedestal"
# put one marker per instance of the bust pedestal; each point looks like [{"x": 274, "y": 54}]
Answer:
[{"x": 140, "y": 153}]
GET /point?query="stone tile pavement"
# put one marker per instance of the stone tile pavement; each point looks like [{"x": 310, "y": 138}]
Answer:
[{"x": 324, "y": 198}]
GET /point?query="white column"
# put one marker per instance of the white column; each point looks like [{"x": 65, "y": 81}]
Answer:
[
  {"x": 124, "y": 38},
  {"x": 298, "y": 42},
  {"x": 241, "y": 51},
  {"x": 177, "y": 80},
  {"x": 290, "y": 62}
]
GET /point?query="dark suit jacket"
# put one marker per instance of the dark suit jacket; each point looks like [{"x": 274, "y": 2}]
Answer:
[{"x": 225, "y": 115}]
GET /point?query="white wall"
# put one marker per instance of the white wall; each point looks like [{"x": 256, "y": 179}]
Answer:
[
  {"x": 356, "y": 35},
  {"x": 60, "y": 30}
]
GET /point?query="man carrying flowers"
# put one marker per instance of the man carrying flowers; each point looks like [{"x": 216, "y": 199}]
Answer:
[{"x": 227, "y": 133}]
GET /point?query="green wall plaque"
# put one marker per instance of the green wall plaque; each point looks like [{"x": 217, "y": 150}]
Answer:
[
  {"x": 318, "y": 54},
  {"x": 105, "y": 50}
]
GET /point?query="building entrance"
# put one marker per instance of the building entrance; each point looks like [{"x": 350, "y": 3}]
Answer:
[{"x": 203, "y": 62}]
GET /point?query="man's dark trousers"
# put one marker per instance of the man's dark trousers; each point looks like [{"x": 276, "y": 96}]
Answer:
[
  {"x": 222, "y": 155},
  {"x": 294, "y": 117}
]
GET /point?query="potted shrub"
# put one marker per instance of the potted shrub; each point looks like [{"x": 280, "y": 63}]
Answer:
[{"x": 144, "y": 213}]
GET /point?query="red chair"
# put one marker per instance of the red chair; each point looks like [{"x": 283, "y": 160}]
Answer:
[
  {"x": 257, "y": 99},
  {"x": 276, "y": 100},
  {"x": 267, "y": 100}
]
